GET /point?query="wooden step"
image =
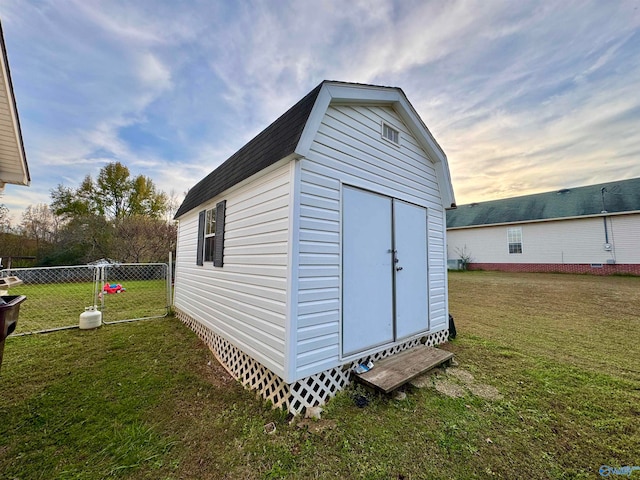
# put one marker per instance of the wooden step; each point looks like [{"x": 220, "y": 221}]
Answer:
[{"x": 398, "y": 369}]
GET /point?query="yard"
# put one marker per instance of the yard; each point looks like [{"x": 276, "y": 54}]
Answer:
[
  {"x": 548, "y": 386},
  {"x": 60, "y": 305}
]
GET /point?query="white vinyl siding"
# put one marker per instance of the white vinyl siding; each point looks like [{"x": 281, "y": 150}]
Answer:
[
  {"x": 245, "y": 302},
  {"x": 560, "y": 241},
  {"x": 348, "y": 149}
]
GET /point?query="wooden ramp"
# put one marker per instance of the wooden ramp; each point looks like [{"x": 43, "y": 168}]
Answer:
[{"x": 396, "y": 370}]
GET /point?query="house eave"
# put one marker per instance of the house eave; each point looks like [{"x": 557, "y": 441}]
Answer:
[{"x": 13, "y": 165}]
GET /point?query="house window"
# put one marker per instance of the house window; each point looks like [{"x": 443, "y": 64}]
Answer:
[
  {"x": 209, "y": 234},
  {"x": 514, "y": 238},
  {"x": 390, "y": 133}
]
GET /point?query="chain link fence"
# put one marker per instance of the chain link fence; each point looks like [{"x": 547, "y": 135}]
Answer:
[
  {"x": 134, "y": 292},
  {"x": 56, "y": 296}
]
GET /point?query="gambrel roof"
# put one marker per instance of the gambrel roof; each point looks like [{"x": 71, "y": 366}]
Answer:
[
  {"x": 593, "y": 200},
  {"x": 13, "y": 161},
  {"x": 275, "y": 142},
  {"x": 292, "y": 133}
]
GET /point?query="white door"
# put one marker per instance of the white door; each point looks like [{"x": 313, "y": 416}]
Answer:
[
  {"x": 367, "y": 279},
  {"x": 411, "y": 288},
  {"x": 384, "y": 270}
]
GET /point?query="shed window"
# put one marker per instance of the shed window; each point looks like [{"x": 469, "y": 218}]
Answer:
[
  {"x": 390, "y": 133},
  {"x": 514, "y": 238},
  {"x": 211, "y": 235}
]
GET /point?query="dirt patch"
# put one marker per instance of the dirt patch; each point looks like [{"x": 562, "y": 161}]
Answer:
[
  {"x": 448, "y": 388},
  {"x": 214, "y": 372},
  {"x": 462, "y": 375},
  {"x": 426, "y": 379},
  {"x": 455, "y": 383},
  {"x": 485, "y": 391}
]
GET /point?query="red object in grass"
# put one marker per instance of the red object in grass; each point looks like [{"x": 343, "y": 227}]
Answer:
[{"x": 113, "y": 288}]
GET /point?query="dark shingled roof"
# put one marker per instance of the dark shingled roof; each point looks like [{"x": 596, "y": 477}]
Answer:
[
  {"x": 614, "y": 197},
  {"x": 272, "y": 144}
]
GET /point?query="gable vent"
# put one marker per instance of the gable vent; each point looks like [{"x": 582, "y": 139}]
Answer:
[{"x": 390, "y": 133}]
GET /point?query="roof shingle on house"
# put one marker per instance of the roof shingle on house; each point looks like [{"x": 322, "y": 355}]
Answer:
[{"x": 603, "y": 198}]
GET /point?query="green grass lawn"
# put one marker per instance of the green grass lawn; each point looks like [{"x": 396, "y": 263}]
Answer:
[
  {"x": 53, "y": 305},
  {"x": 148, "y": 400}
]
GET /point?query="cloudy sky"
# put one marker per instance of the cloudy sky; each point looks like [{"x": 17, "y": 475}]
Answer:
[{"x": 523, "y": 96}]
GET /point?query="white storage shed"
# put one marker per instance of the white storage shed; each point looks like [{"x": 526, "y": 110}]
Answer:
[{"x": 319, "y": 244}]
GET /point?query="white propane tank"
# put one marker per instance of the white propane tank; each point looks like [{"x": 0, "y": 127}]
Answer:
[{"x": 90, "y": 318}]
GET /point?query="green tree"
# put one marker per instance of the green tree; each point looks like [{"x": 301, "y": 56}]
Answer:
[
  {"x": 116, "y": 216},
  {"x": 114, "y": 195},
  {"x": 82, "y": 239}
]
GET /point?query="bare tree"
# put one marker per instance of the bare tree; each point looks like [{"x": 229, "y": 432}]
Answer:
[
  {"x": 465, "y": 257},
  {"x": 173, "y": 203},
  {"x": 5, "y": 221},
  {"x": 144, "y": 239},
  {"x": 39, "y": 224}
]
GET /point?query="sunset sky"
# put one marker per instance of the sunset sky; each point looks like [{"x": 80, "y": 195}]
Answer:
[{"x": 523, "y": 96}]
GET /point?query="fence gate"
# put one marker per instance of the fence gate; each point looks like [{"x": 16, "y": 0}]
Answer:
[
  {"x": 56, "y": 296},
  {"x": 133, "y": 291}
]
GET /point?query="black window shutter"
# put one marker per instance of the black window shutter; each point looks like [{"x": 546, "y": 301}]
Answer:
[
  {"x": 200, "y": 253},
  {"x": 219, "y": 245}
]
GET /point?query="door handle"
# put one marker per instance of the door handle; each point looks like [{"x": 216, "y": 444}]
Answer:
[{"x": 398, "y": 269}]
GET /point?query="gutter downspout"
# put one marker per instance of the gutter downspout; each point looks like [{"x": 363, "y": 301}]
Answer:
[{"x": 607, "y": 246}]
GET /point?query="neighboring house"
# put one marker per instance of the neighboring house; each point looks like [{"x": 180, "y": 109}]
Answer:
[
  {"x": 592, "y": 229},
  {"x": 319, "y": 244},
  {"x": 13, "y": 162}
]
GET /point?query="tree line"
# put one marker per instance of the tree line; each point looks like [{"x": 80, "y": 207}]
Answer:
[{"x": 115, "y": 216}]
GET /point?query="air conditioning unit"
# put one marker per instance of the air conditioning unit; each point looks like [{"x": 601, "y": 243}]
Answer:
[{"x": 454, "y": 264}]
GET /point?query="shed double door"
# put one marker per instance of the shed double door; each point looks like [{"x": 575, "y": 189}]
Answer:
[{"x": 384, "y": 270}]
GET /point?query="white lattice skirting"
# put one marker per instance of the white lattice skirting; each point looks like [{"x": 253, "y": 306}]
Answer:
[{"x": 295, "y": 397}]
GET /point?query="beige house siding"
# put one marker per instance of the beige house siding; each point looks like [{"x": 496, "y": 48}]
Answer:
[{"x": 574, "y": 241}]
